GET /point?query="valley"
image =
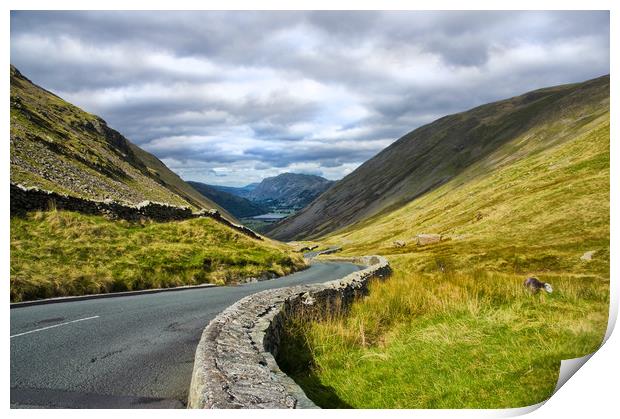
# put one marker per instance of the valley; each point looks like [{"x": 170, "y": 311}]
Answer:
[
  {"x": 260, "y": 205},
  {"x": 311, "y": 209},
  {"x": 454, "y": 326},
  {"x": 464, "y": 209},
  {"x": 58, "y": 147}
]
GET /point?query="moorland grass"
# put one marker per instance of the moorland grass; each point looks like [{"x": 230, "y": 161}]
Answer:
[
  {"x": 447, "y": 340},
  {"x": 59, "y": 253},
  {"x": 454, "y": 327}
]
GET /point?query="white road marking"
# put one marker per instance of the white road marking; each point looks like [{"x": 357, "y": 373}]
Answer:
[{"x": 56, "y": 325}]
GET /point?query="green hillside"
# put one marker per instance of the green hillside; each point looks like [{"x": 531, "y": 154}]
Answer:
[
  {"x": 58, "y": 253},
  {"x": 436, "y": 153},
  {"x": 454, "y": 327},
  {"x": 59, "y": 147}
]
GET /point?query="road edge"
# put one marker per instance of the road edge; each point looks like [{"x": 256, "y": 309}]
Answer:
[
  {"x": 105, "y": 295},
  {"x": 73, "y": 298},
  {"x": 235, "y": 364}
]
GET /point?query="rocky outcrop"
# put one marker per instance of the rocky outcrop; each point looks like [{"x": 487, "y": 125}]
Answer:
[
  {"x": 235, "y": 363},
  {"x": 424, "y": 239},
  {"x": 307, "y": 248},
  {"x": 26, "y": 199},
  {"x": 587, "y": 256}
]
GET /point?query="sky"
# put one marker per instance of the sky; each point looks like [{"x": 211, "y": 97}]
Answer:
[{"x": 230, "y": 98}]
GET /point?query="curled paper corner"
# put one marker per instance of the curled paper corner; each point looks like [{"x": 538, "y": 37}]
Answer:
[
  {"x": 611, "y": 322},
  {"x": 519, "y": 411},
  {"x": 568, "y": 367}
]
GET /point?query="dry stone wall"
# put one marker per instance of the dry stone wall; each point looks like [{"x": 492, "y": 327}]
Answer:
[
  {"x": 235, "y": 363},
  {"x": 25, "y": 199}
]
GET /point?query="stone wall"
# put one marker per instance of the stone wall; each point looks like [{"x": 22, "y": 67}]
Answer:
[
  {"x": 235, "y": 363},
  {"x": 26, "y": 199}
]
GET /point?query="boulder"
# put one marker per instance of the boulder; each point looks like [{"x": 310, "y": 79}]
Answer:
[
  {"x": 399, "y": 243},
  {"x": 587, "y": 256},
  {"x": 424, "y": 239}
]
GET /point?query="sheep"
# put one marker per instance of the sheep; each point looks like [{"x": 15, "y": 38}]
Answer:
[{"x": 534, "y": 285}]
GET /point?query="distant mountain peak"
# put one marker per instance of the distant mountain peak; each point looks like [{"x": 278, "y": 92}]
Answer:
[
  {"x": 237, "y": 205},
  {"x": 292, "y": 175},
  {"x": 286, "y": 190},
  {"x": 290, "y": 190}
]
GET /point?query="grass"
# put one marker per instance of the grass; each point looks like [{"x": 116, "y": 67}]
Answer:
[
  {"x": 447, "y": 340},
  {"x": 256, "y": 225},
  {"x": 453, "y": 327},
  {"x": 58, "y": 253}
]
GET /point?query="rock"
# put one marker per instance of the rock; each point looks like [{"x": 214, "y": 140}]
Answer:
[
  {"x": 424, "y": 239},
  {"x": 308, "y": 248},
  {"x": 587, "y": 256},
  {"x": 399, "y": 243},
  {"x": 307, "y": 299}
]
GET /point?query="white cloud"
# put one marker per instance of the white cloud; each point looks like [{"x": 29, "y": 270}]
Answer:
[{"x": 233, "y": 97}]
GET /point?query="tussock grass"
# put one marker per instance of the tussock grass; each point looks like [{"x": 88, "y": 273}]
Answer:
[
  {"x": 445, "y": 340},
  {"x": 58, "y": 253},
  {"x": 454, "y": 327}
]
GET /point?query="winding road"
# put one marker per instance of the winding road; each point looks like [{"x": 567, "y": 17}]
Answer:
[{"x": 126, "y": 351}]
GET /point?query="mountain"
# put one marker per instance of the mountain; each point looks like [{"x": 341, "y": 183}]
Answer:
[
  {"x": 484, "y": 138},
  {"x": 289, "y": 190},
  {"x": 537, "y": 205},
  {"x": 57, "y": 146},
  {"x": 236, "y": 205},
  {"x": 243, "y": 191}
]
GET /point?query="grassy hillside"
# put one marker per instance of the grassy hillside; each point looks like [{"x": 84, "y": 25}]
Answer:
[
  {"x": 236, "y": 205},
  {"x": 59, "y": 253},
  {"x": 173, "y": 182},
  {"x": 59, "y": 147},
  {"x": 454, "y": 327},
  {"x": 436, "y": 153}
]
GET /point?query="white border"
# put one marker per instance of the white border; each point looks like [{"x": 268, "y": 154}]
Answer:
[{"x": 594, "y": 390}]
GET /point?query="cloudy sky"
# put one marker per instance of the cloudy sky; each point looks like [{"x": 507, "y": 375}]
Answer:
[{"x": 232, "y": 97}]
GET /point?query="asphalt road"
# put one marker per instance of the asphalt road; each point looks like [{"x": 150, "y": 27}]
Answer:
[{"x": 123, "y": 352}]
